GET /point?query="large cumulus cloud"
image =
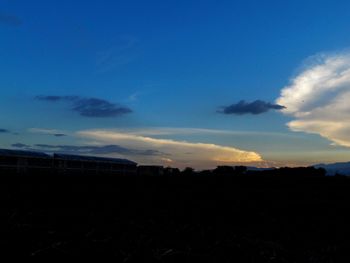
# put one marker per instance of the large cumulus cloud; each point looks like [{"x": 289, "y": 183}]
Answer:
[{"x": 319, "y": 98}]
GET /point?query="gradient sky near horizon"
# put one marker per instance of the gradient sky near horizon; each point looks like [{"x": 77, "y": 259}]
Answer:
[{"x": 179, "y": 83}]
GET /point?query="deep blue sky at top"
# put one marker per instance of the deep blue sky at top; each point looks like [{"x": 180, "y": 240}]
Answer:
[{"x": 172, "y": 62}]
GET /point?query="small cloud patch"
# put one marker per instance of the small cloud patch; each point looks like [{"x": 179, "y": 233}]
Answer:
[
  {"x": 10, "y": 20},
  {"x": 255, "y": 107},
  {"x": 60, "y": 135},
  {"x": 89, "y": 107},
  {"x": 4, "y": 131}
]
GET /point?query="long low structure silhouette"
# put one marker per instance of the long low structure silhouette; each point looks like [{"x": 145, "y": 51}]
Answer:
[{"x": 28, "y": 162}]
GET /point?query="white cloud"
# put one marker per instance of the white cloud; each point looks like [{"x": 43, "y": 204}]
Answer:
[
  {"x": 319, "y": 98},
  {"x": 181, "y": 153}
]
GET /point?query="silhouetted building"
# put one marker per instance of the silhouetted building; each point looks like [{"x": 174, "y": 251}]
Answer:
[
  {"x": 19, "y": 162},
  {"x": 71, "y": 164}
]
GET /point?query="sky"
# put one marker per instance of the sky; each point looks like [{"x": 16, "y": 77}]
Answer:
[{"x": 178, "y": 83}]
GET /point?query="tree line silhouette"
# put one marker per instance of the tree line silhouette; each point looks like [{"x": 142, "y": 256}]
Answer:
[{"x": 229, "y": 214}]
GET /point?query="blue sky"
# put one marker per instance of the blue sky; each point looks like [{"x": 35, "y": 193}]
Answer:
[{"x": 173, "y": 64}]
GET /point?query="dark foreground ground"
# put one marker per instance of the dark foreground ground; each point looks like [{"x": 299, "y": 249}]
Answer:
[{"x": 176, "y": 219}]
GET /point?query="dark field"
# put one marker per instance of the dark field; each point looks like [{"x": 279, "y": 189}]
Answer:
[{"x": 176, "y": 219}]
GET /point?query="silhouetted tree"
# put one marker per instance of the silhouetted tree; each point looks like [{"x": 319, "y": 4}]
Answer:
[
  {"x": 188, "y": 171},
  {"x": 206, "y": 172},
  {"x": 224, "y": 170},
  {"x": 171, "y": 171},
  {"x": 240, "y": 170}
]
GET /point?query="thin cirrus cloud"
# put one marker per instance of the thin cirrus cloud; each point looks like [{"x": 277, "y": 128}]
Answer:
[
  {"x": 170, "y": 131},
  {"x": 20, "y": 145},
  {"x": 256, "y": 107},
  {"x": 318, "y": 98},
  {"x": 89, "y": 107},
  {"x": 203, "y": 155},
  {"x": 10, "y": 20},
  {"x": 116, "y": 54},
  {"x": 51, "y": 132}
]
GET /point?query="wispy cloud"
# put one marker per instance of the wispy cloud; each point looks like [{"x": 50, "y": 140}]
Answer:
[
  {"x": 318, "y": 98},
  {"x": 202, "y": 154},
  {"x": 20, "y": 145},
  {"x": 167, "y": 131},
  {"x": 89, "y": 107},
  {"x": 134, "y": 96},
  {"x": 9, "y": 19},
  {"x": 255, "y": 107},
  {"x": 116, "y": 54},
  {"x": 52, "y": 132}
]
